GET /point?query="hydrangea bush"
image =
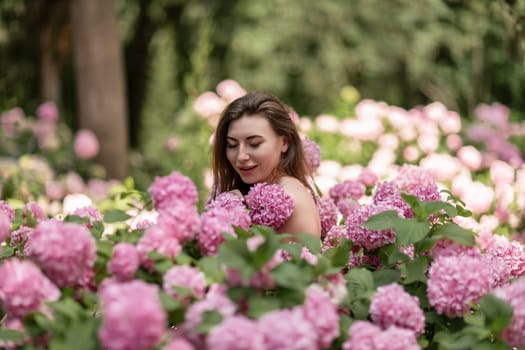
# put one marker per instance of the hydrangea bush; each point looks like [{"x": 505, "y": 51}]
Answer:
[
  {"x": 424, "y": 256},
  {"x": 380, "y": 278}
]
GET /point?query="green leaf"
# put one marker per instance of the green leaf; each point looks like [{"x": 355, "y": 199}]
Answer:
[
  {"x": 115, "y": 215},
  {"x": 162, "y": 266},
  {"x": 212, "y": 268},
  {"x": 360, "y": 309},
  {"x": 184, "y": 259},
  {"x": 82, "y": 336},
  {"x": 339, "y": 255},
  {"x": 11, "y": 335},
  {"x": 242, "y": 233},
  {"x": 456, "y": 233},
  {"x": 410, "y": 231},
  {"x": 382, "y": 221},
  {"x": 425, "y": 244},
  {"x": 259, "y": 305},
  {"x": 475, "y": 319},
  {"x": 492, "y": 345},
  {"x": 432, "y": 207},
  {"x": 294, "y": 249},
  {"x": 104, "y": 249},
  {"x": 456, "y": 341},
  {"x": 7, "y": 252},
  {"x": 209, "y": 319},
  {"x": 290, "y": 275},
  {"x": 390, "y": 255},
  {"x": 498, "y": 313},
  {"x": 235, "y": 254},
  {"x": 168, "y": 302},
  {"x": 68, "y": 308},
  {"x": 411, "y": 200},
  {"x": 311, "y": 242},
  {"x": 97, "y": 230},
  {"x": 264, "y": 252},
  {"x": 415, "y": 269},
  {"x": 77, "y": 219},
  {"x": 387, "y": 276},
  {"x": 360, "y": 279}
]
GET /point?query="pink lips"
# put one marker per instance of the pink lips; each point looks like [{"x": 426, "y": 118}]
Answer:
[{"x": 246, "y": 171}]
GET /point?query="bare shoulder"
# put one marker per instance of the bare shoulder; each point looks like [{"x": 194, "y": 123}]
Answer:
[
  {"x": 295, "y": 189},
  {"x": 305, "y": 217}
]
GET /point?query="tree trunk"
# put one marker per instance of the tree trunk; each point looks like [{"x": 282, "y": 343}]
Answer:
[{"x": 100, "y": 80}]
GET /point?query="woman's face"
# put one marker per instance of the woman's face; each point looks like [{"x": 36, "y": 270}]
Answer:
[{"x": 254, "y": 149}]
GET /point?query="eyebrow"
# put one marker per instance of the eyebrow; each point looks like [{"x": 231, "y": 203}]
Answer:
[{"x": 248, "y": 138}]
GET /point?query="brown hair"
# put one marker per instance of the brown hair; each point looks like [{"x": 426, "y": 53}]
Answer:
[{"x": 292, "y": 161}]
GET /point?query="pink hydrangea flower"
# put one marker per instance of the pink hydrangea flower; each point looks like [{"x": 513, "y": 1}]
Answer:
[
  {"x": 179, "y": 220},
  {"x": 35, "y": 210},
  {"x": 312, "y": 153},
  {"x": 392, "y": 306},
  {"x": 235, "y": 333},
  {"x": 6, "y": 208},
  {"x": 514, "y": 294},
  {"x": 368, "y": 177},
  {"x": 55, "y": 190},
  {"x": 179, "y": 343},
  {"x": 174, "y": 187},
  {"x": 321, "y": 312},
  {"x": 347, "y": 189},
  {"x": 447, "y": 247},
  {"x": 230, "y": 90},
  {"x": 208, "y": 104},
  {"x": 347, "y": 207},
  {"x": 64, "y": 251},
  {"x": 388, "y": 193},
  {"x": 456, "y": 281},
  {"x": 364, "y": 335},
  {"x": 367, "y": 238},
  {"x": 5, "y": 227},
  {"x": 215, "y": 300},
  {"x": 214, "y": 223},
  {"x": 269, "y": 204},
  {"x": 512, "y": 253},
  {"x": 21, "y": 235},
  {"x": 11, "y": 120},
  {"x": 410, "y": 177},
  {"x": 24, "y": 289},
  {"x": 185, "y": 277},
  {"x": 470, "y": 157},
  {"x": 86, "y": 144},
  {"x": 308, "y": 256},
  {"x": 334, "y": 236},
  {"x": 327, "y": 214},
  {"x": 133, "y": 317},
  {"x": 47, "y": 111},
  {"x": 89, "y": 212},
  {"x": 335, "y": 286},
  {"x": 155, "y": 239},
  {"x": 499, "y": 271},
  {"x": 235, "y": 205},
  {"x": 124, "y": 261},
  {"x": 287, "y": 329}
]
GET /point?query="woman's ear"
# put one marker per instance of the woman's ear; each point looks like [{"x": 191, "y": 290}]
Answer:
[{"x": 284, "y": 145}]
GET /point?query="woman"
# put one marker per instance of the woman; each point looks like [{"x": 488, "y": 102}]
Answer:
[{"x": 256, "y": 141}]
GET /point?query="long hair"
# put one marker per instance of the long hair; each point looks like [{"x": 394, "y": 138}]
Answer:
[{"x": 292, "y": 161}]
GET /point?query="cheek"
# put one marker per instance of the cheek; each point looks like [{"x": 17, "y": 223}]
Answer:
[{"x": 230, "y": 154}]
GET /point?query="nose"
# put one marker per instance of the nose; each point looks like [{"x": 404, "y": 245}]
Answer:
[{"x": 243, "y": 154}]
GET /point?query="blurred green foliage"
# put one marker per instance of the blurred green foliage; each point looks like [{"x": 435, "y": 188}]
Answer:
[{"x": 404, "y": 52}]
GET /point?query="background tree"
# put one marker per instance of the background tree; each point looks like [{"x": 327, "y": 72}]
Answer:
[{"x": 100, "y": 80}]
